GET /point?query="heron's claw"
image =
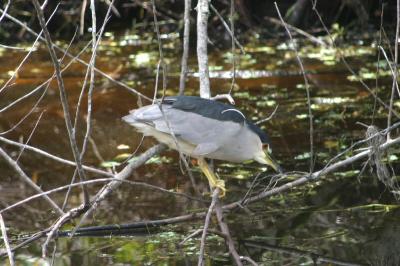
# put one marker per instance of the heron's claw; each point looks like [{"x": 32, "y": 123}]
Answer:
[{"x": 221, "y": 185}]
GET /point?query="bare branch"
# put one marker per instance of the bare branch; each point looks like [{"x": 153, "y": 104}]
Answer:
[
  {"x": 57, "y": 225},
  {"x": 5, "y": 10},
  {"x": 53, "y": 157},
  {"x": 310, "y": 115},
  {"x": 46, "y": 83},
  {"x": 346, "y": 64},
  {"x": 96, "y": 181},
  {"x": 233, "y": 50},
  {"x": 6, "y": 243},
  {"x": 269, "y": 117},
  {"x": 27, "y": 114},
  {"x": 202, "y": 56},
  {"x": 224, "y": 96},
  {"x": 27, "y": 180},
  {"x": 31, "y": 49},
  {"x": 206, "y": 225},
  {"x": 63, "y": 98},
  {"x": 316, "y": 175},
  {"x": 230, "y": 29},
  {"x": 82, "y": 18},
  {"x": 107, "y": 76},
  {"x": 395, "y": 73},
  {"x": 225, "y": 230},
  {"x": 299, "y": 31},
  {"x": 185, "y": 54},
  {"x": 30, "y": 135},
  {"x": 160, "y": 50},
  {"x": 91, "y": 69},
  {"x": 122, "y": 175}
]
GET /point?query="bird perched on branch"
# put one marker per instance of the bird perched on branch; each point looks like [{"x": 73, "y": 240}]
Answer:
[{"x": 203, "y": 128}]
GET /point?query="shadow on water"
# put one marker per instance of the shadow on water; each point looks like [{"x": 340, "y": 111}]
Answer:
[{"x": 348, "y": 215}]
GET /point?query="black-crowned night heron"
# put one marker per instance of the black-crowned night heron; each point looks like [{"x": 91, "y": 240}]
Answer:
[{"x": 202, "y": 128}]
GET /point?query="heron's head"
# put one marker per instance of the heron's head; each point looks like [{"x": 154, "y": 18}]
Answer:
[{"x": 265, "y": 157}]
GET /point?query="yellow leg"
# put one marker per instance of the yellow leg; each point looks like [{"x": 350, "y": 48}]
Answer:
[{"x": 215, "y": 182}]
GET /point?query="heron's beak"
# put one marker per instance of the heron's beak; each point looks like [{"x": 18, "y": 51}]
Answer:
[{"x": 266, "y": 158}]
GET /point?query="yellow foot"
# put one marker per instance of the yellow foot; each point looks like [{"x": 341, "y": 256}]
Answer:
[
  {"x": 221, "y": 185},
  {"x": 215, "y": 182},
  {"x": 218, "y": 183}
]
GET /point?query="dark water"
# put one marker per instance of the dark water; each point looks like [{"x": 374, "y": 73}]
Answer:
[{"x": 348, "y": 216}]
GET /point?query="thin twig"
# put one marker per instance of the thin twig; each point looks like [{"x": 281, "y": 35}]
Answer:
[
  {"x": 395, "y": 84},
  {"x": 53, "y": 157},
  {"x": 12, "y": 47},
  {"x": 30, "y": 136},
  {"x": 33, "y": 109},
  {"x": 181, "y": 154},
  {"x": 224, "y": 96},
  {"x": 346, "y": 64},
  {"x": 30, "y": 51},
  {"x": 6, "y": 243},
  {"x": 396, "y": 57},
  {"x": 299, "y": 31},
  {"x": 269, "y": 117},
  {"x": 123, "y": 174},
  {"x": 230, "y": 29},
  {"x": 95, "y": 44},
  {"x": 96, "y": 181},
  {"x": 185, "y": 53},
  {"x": 160, "y": 50},
  {"x": 156, "y": 81},
  {"x": 225, "y": 230},
  {"x": 316, "y": 175},
  {"x": 233, "y": 50},
  {"x": 195, "y": 233},
  {"x": 57, "y": 225},
  {"x": 113, "y": 8},
  {"x": 310, "y": 115},
  {"x": 164, "y": 84},
  {"x": 5, "y": 10},
  {"x": 378, "y": 67},
  {"x": 107, "y": 76},
  {"x": 46, "y": 83},
  {"x": 28, "y": 180},
  {"x": 67, "y": 194},
  {"x": 63, "y": 98},
  {"x": 206, "y": 225}
]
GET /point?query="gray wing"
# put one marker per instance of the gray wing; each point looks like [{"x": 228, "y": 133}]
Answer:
[{"x": 207, "y": 133}]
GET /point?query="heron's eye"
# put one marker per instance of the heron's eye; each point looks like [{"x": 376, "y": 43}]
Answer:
[{"x": 266, "y": 147}]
